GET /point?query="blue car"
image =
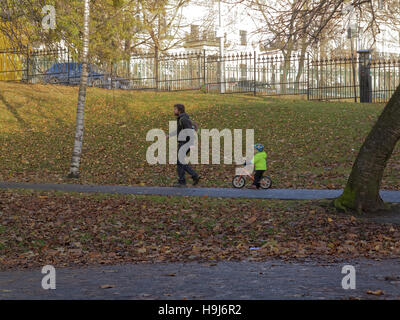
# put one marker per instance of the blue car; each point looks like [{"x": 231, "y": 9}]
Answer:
[{"x": 70, "y": 74}]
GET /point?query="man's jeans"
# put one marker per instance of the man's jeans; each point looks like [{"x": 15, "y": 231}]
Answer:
[{"x": 182, "y": 168}]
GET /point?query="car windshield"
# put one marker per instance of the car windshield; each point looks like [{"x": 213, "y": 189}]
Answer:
[
  {"x": 72, "y": 67},
  {"x": 58, "y": 68}
]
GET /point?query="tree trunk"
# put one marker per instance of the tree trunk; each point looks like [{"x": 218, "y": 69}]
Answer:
[
  {"x": 304, "y": 47},
  {"x": 284, "y": 76},
  {"x": 77, "y": 151},
  {"x": 362, "y": 190},
  {"x": 285, "y": 70}
]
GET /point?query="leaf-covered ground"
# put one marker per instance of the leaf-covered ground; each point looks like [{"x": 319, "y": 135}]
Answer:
[
  {"x": 39, "y": 228},
  {"x": 309, "y": 144}
]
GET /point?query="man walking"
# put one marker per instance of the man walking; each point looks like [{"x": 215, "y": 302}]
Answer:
[{"x": 183, "y": 122}]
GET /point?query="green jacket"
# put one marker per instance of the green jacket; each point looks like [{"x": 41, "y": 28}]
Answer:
[{"x": 260, "y": 161}]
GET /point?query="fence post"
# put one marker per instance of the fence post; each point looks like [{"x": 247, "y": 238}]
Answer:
[
  {"x": 204, "y": 67},
  {"x": 68, "y": 63},
  {"x": 27, "y": 63},
  {"x": 364, "y": 74},
  {"x": 354, "y": 69},
  {"x": 156, "y": 61},
  {"x": 308, "y": 76},
  {"x": 255, "y": 73}
]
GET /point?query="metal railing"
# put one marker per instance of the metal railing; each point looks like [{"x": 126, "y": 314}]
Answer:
[{"x": 248, "y": 73}]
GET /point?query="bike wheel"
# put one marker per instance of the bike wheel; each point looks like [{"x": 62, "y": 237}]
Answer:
[
  {"x": 238, "y": 182},
  {"x": 266, "y": 183}
]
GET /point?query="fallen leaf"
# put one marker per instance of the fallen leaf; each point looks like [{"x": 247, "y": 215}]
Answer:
[
  {"x": 376, "y": 293},
  {"x": 107, "y": 286},
  {"x": 252, "y": 220}
]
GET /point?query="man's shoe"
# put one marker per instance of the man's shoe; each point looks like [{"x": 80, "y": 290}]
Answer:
[
  {"x": 196, "y": 180},
  {"x": 179, "y": 185}
]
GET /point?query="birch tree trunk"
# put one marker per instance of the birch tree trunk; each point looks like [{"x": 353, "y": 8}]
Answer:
[
  {"x": 362, "y": 189},
  {"x": 80, "y": 113}
]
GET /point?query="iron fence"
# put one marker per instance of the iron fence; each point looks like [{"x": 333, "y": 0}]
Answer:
[
  {"x": 247, "y": 73},
  {"x": 331, "y": 79},
  {"x": 13, "y": 66},
  {"x": 180, "y": 71},
  {"x": 385, "y": 74},
  {"x": 340, "y": 78}
]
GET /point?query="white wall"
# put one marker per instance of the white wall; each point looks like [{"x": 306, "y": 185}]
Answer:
[
  {"x": 234, "y": 19},
  {"x": 238, "y": 18}
]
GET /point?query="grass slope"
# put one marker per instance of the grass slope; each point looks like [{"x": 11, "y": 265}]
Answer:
[{"x": 309, "y": 144}]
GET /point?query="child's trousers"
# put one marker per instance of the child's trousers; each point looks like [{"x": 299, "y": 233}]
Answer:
[{"x": 257, "y": 178}]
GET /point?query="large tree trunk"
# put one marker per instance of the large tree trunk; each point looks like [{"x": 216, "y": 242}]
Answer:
[
  {"x": 285, "y": 69},
  {"x": 304, "y": 46},
  {"x": 362, "y": 190},
  {"x": 77, "y": 151},
  {"x": 284, "y": 76}
]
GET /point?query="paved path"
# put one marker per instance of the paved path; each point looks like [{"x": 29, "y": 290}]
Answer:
[
  {"x": 223, "y": 281},
  {"x": 283, "y": 194}
]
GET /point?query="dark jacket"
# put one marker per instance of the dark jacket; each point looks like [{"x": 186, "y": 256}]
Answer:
[{"x": 184, "y": 122}]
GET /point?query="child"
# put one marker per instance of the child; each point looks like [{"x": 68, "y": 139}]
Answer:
[{"x": 260, "y": 165}]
